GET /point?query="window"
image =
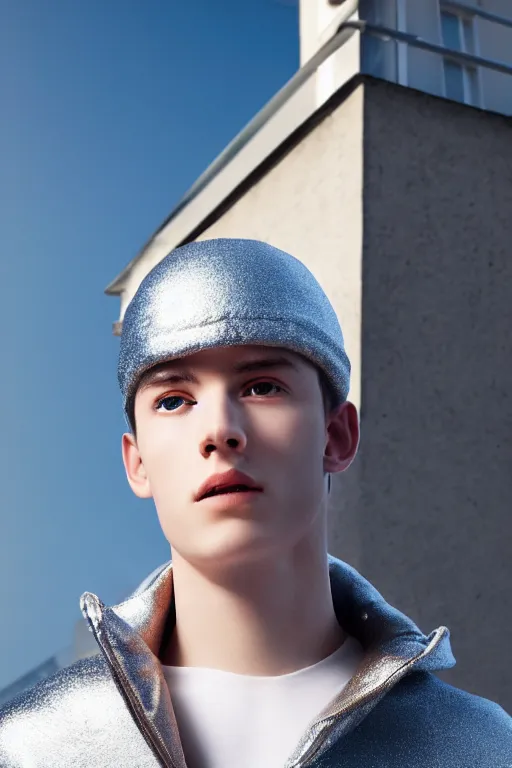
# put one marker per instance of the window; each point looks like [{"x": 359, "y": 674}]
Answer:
[{"x": 460, "y": 80}]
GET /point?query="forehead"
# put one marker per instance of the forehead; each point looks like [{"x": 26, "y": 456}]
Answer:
[
  {"x": 235, "y": 359},
  {"x": 220, "y": 357}
]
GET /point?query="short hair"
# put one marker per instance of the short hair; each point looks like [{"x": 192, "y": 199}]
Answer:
[{"x": 328, "y": 396}]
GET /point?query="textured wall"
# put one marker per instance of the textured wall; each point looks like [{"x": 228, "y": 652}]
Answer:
[
  {"x": 436, "y": 455},
  {"x": 310, "y": 204},
  {"x": 425, "y": 511}
]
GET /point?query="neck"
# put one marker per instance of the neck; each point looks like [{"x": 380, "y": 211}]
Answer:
[{"x": 268, "y": 617}]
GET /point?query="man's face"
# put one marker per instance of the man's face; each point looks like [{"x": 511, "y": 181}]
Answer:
[{"x": 266, "y": 421}]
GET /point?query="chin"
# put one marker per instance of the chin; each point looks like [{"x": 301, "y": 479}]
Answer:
[{"x": 230, "y": 543}]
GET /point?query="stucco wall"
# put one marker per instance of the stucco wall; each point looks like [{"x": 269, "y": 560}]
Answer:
[
  {"x": 424, "y": 512},
  {"x": 436, "y": 454},
  {"x": 310, "y": 204}
]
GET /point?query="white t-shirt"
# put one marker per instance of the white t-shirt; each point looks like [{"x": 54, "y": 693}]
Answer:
[{"x": 227, "y": 720}]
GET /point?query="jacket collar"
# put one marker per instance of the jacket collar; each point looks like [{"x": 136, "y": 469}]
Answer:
[
  {"x": 359, "y": 607},
  {"x": 130, "y": 636}
]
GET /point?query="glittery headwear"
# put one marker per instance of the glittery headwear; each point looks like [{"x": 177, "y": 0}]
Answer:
[{"x": 219, "y": 293}]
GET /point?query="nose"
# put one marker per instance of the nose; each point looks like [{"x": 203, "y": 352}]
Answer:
[{"x": 223, "y": 430}]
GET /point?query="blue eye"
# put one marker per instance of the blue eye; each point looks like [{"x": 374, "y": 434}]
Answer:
[
  {"x": 167, "y": 402},
  {"x": 170, "y": 403}
]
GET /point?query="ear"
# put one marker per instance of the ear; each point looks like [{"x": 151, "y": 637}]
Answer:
[
  {"x": 342, "y": 438},
  {"x": 135, "y": 470}
]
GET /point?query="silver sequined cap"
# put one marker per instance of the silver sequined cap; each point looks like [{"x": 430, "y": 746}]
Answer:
[{"x": 219, "y": 293}]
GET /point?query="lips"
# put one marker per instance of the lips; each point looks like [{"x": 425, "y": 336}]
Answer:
[
  {"x": 227, "y": 482},
  {"x": 228, "y": 489}
]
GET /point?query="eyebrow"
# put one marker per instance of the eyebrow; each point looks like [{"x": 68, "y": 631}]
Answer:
[{"x": 168, "y": 374}]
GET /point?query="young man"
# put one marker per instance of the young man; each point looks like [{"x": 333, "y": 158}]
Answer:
[{"x": 254, "y": 648}]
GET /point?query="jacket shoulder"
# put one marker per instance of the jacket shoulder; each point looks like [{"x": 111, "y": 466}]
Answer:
[
  {"x": 424, "y": 721},
  {"x": 448, "y": 699},
  {"x": 75, "y": 717},
  {"x": 47, "y": 693}
]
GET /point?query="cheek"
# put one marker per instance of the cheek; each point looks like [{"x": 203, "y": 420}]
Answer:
[
  {"x": 297, "y": 434},
  {"x": 164, "y": 463}
]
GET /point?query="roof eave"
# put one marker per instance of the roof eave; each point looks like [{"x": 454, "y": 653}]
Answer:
[{"x": 340, "y": 33}]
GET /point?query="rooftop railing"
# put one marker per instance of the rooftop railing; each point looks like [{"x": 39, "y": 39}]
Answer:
[
  {"x": 466, "y": 73},
  {"x": 475, "y": 10},
  {"x": 343, "y": 33},
  {"x": 387, "y": 34}
]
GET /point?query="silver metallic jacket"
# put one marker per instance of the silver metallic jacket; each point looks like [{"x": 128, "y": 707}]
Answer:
[{"x": 115, "y": 709}]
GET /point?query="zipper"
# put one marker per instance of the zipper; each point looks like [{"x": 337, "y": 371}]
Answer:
[
  {"x": 306, "y": 760},
  {"x": 151, "y": 735},
  {"x": 134, "y": 707}
]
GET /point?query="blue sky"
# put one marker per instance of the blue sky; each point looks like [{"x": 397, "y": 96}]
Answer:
[{"x": 109, "y": 112}]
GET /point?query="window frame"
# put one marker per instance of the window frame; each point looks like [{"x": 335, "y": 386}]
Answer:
[
  {"x": 471, "y": 76},
  {"x": 402, "y": 48}
]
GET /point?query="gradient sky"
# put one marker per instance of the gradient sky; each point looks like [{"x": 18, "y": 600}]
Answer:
[{"x": 109, "y": 112}]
